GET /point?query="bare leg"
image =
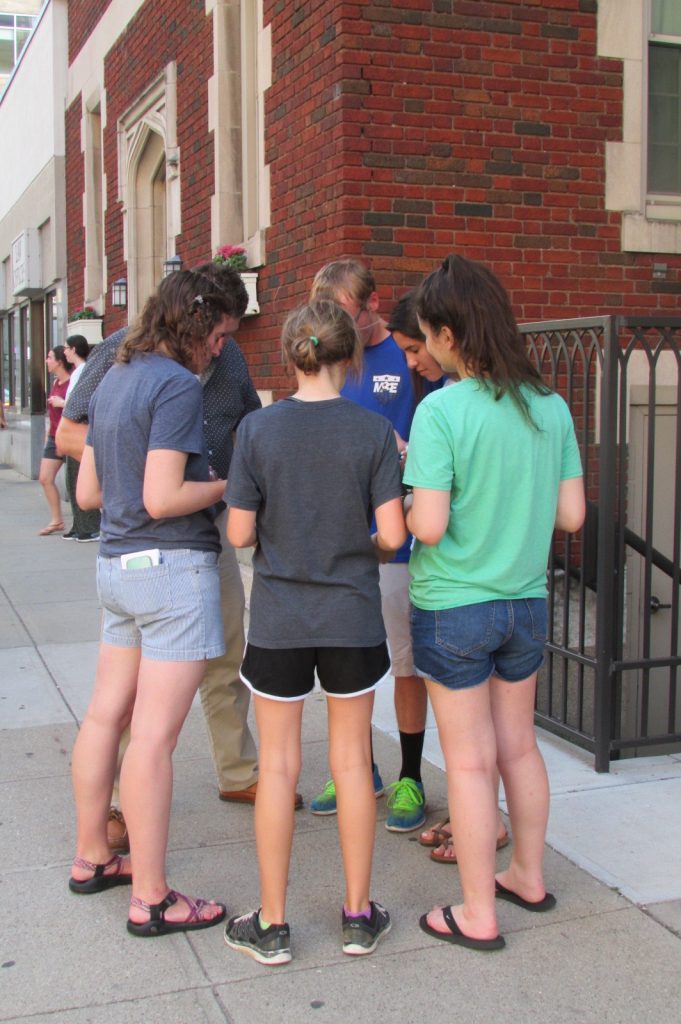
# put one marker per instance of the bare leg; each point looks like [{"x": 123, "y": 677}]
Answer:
[
  {"x": 279, "y": 725},
  {"x": 411, "y": 703},
  {"x": 525, "y": 782},
  {"x": 47, "y": 476},
  {"x": 165, "y": 690},
  {"x": 466, "y": 729},
  {"x": 350, "y": 761},
  {"x": 96, "y": 749}
]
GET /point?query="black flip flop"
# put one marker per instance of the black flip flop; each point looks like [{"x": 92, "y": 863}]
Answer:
[
  {"x": 457, "y": 937},
  {"x": 537, "y": 907}
]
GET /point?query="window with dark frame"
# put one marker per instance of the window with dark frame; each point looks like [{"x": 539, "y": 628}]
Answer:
[{"x": 664, "y": 98}]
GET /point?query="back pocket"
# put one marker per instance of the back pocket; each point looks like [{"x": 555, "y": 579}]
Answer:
[
  {"x": 465, "y": 630},
  {"x": 145, "y": 591}
]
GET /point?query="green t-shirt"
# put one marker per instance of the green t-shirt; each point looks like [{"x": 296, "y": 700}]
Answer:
[{"x": 503, "y": 476}]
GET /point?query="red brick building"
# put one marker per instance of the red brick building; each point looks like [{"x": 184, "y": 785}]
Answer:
[{"x": 530, "y": 134}]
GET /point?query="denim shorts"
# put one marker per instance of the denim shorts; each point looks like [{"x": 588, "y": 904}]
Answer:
[
  {"x": 463, "y": 647},
  {"x": 50, "y": 450},
  {"x": 171, "y": 610}
]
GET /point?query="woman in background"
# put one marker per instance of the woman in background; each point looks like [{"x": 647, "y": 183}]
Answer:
[{"x": 51, "y": 462}]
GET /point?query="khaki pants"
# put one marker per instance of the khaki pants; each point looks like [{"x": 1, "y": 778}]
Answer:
[{"x": 224, "y": 698}]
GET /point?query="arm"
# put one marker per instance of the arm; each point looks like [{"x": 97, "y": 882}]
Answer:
[
  {"x": 391, "y": 532},
  {"x": 70, "y": 438},
  {"x": 428, "y": 515},
  {"x": 88, "y": 489},
  {"x": 167, "y": 494},
  {"x": 571, "y": 508},
  {"x": 241, "y": 531}
]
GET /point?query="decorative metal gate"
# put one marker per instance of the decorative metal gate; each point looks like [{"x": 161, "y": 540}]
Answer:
[{"x": 612, "y": 678}]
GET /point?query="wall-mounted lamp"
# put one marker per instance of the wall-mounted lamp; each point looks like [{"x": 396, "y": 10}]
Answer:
[
  {"x": 659, "y": 271},
  {"x": 172, "y": 265},
  {"x": 119, "y": 292}
]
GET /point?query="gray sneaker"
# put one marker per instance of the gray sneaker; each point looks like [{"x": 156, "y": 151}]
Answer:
[
  {"x": 270, "y": 946},
  {"x": 361, "y": 935}
]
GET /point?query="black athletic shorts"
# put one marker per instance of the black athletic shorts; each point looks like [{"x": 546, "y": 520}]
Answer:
[{"x": 288, "y": 674}]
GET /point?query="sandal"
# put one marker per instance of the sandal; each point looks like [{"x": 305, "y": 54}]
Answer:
[
  {"x": 457, "y": 937},
  {"x": 445, "y": 858},
  {"x": 99, "y": 881},
  {"x": 436, "y": 835},
  {"x": 51, "y": 528},
  {"x": 157, "y": 924}
]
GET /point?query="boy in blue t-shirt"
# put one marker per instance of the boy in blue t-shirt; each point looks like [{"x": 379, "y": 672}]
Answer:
[{"x": 386, "y": 387}]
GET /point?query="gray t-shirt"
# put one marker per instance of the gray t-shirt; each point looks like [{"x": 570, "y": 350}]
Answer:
[
  {"x": 314, "y": 472},
  {"x": 149, "y": 403}
]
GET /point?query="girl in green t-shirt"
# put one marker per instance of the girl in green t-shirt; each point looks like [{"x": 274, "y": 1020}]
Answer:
[{"x": 494, "y": 467}]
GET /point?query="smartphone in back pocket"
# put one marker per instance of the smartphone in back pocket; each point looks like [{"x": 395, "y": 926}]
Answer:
[{"x": 141, "y": 559}]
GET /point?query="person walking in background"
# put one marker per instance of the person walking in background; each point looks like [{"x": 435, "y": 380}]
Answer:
[
  {"x": 306, "y": 475},
  {"x": 385, "y": 386},
  {"x": 494, "y": 466},
  {"x": 145, "y": 465},
  {"x": 85, "y": 525},
  {"x": 51, "y": 462}
]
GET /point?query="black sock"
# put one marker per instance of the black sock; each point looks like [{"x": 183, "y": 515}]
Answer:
[{"x": 412, "y": 750}]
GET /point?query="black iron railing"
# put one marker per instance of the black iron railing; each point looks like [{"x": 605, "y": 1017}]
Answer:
[{"x": 612, "y": 678}]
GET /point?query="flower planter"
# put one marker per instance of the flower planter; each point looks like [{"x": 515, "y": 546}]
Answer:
[
  {"x": 90, "y": 329},
  {"x": 250, "y": 279}
]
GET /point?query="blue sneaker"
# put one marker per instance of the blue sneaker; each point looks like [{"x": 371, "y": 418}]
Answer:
[
  {"x": 407, "y": 806},
  {"x": 325, "y": 803}
]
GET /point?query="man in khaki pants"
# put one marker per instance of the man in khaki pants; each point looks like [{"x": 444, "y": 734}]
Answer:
[{"x": 228, "y": 396}]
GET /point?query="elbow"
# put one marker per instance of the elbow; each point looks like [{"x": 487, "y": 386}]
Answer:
[
  {"x": 392, "y": 540},
  {"x": 157, "y": 507},
  {"x": 240, "y": 540},
  {"x": 428, "y": 534},
  {"x": 571, "y": 522}
]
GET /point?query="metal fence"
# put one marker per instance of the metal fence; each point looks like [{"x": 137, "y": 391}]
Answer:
[{"x": 613, "y": 671}]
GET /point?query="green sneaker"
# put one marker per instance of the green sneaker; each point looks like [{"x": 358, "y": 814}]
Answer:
[
  {"x": 407, "y": 806},
  {"x": 325, "y": 803}
]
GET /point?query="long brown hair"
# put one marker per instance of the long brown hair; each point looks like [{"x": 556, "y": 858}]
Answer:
[
  {"x": 176, "y": 319},
  {"x": 469, "y": 299}
]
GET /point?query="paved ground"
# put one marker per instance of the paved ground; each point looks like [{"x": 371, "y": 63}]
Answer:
[{"x": 599, "y": 957}]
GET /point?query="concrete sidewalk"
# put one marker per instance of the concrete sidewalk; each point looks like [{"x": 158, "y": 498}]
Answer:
[{"x": 599, "y": 957}]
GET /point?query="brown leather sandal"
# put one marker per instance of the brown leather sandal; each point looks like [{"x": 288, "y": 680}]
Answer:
[
  {"x": 442, "y": 858},
  {"x": 437, "y": 834}
]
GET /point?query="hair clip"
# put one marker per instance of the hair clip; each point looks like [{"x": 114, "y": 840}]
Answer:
[
  {"x": 314, "y": 340},
  {"x": 198, "y": 301}
]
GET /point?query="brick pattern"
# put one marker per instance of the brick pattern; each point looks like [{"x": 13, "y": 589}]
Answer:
[
  {"x": 162, "y": 31},
  {"x": 75, "y": 186},
  {"x": 83, "y": 16},
  {"x": 400, "y": 130}
]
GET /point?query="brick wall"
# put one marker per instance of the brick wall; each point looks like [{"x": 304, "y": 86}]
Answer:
[
  {"x": 400, "y": 130},
  {"x": 75, "y": 185},
  {"x": 162, "y": 31},
  {"x": 83, "y": 16}
]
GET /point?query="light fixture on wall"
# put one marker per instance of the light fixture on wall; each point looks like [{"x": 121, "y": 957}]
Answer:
[
  {"x": 659, "y": 271},
  {"x": 119, "y": 292},
  {"x": 172, "y": 265}
]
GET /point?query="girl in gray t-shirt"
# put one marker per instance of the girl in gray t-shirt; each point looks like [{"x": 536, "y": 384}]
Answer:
[{"x": 307, "y": 475}]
